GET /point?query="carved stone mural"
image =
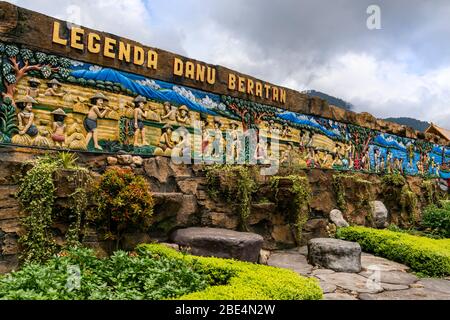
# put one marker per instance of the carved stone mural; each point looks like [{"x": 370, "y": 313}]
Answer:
[{"x": 53, "y": 102}]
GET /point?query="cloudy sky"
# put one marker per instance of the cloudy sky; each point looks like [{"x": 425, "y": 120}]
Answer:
[{"x": 402, "y": 69}]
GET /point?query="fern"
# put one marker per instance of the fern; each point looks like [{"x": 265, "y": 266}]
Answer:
[{"x": 8, "y": 126}]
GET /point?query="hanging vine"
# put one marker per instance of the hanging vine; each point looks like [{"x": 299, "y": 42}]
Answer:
[
  {"x": 36, "y": 196},
  {"x": 302, "y": 196},
  {"x": 235, "y": 184}
]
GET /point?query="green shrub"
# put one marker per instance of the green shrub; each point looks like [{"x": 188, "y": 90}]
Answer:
[
  {"x": 235, "y": 280},
  {"x": 123, "y": 199},
  {"x": 121, "y": 277},
  {"x": 430, "y": 257},
  {"x": 437, "y": 217}
]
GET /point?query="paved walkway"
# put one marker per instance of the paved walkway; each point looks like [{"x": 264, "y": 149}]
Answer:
[{"x": 380, "y": 279}]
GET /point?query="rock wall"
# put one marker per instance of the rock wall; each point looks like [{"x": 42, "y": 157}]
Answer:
[{"x": 182, "y": 200}]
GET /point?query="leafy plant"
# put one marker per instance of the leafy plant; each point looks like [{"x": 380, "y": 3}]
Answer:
[
  {"x": 123, "y": 199},
  {"x": 123, "y": 276},
  {"x": 8, "y": 126},
  {"x": 68, "y": 159},
  {"x": 437, "y": 217}
]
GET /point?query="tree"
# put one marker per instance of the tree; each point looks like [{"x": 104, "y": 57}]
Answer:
[
  {"x": 361, "y": 138},
  {"x": 250, "y": 113},
  {"x": 17, "y": 62}
]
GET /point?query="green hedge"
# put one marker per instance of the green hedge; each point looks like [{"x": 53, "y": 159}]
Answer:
[
  {"x": 236, "y": 280},
  {"x": 427, "y": 256}
]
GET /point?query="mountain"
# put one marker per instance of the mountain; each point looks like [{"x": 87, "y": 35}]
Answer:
[
  {"x": 330, "y": 99},
  {"x": 410, "y": 122}
]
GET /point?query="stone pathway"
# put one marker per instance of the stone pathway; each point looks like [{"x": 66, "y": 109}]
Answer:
[{"x": 380, "y": 279}]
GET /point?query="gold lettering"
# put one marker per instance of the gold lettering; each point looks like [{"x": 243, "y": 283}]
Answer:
[
  {"x": 94, "y": 43},
  {"x": 201, "y": 70},
  {"x": 56, "y": 33},
  {"x": 231, "y": 81},
  {"x": 250, "y": 86},
  {"x": 76, "y": 41},
  {"x": 139, "y": 56},
  {"x": 275, "y": 94},
  {"x": 124, "y": 51},
  {"x": 267, "y": 87},
  {"x": 259, "y": 89},
  {"x": 178, "y": 67},
  {"x": 108, "y": 50},
  {"x": 282, "y": 96},
  {"x": 241, "y": 85},
  {"x": 152, "y": 62},
  {"x": 211, "y": 77},
  {"x": 190, "y": 70}
]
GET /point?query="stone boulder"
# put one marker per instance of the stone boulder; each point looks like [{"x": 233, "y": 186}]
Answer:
[
  {"x": 338, "y": 219},
  {"x": 334, "y": 254},
  {"x": 220, "y": 243},
  {"x": 125, "y": 159},
  {"x": 379, "y": 214}
]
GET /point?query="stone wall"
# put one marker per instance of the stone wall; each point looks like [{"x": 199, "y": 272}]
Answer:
[{"x": 181, "y": 200}]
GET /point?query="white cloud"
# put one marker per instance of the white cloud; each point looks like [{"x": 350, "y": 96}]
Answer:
[{"x": 386, "y": 88}]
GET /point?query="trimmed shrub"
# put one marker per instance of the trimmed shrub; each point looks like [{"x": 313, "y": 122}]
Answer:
[
  {"x": 236, "y": 280},
  {"x": 437, "y": 218},
  {"x": 427, "y": 256}
]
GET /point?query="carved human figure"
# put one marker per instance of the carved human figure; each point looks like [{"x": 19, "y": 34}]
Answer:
[
  {"x": 33, "y": 89},
  {"x": 327, "y": 161},
  {"x": 206, "y": 140},
  {"x": 54, "y": 89},
  {"x": 286, "y": 131},
  {"x": 235, "y": 141},
  {"x": 97, "y": 110},
  {"x": 170, "y": 113},
  {"x": 401, "y": 165},
  {"x": 183, "y": 115},
  {"x": 183, "y": 147},
  {"x": 261, "y": 154},
  {"x": 59, "y": 127},
  {"x": 165, "y": 141},
  {"x": 376, "y": 157},
  {"x": 218, "y": 139},
  {"x": 389, "y": 160},
  {"x": 286, "y": 156},
  {"x": 382, "y": 165},
  {"x": 139, "y": 115},
  {"x": 26, "y": 117}
]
